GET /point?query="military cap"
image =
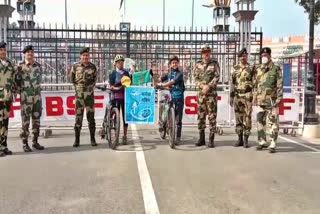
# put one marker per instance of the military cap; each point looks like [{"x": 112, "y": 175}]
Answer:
[
  {"x": 265, "y": 50},
  {"x": 27, "y": 48},
  {"x": 3, "y": 45},
  {"x": 205, "y": 48},
  {"x": 84, "y": 50},
  {"x": 242, "y": 51}
]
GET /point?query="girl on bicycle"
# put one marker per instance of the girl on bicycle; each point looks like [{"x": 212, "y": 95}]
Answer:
[
  {"x": 174, "y": 80},
  {"x": 115, "y": 83}
]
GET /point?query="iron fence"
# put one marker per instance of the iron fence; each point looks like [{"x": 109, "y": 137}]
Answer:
[{"x": 57, "y": 48}]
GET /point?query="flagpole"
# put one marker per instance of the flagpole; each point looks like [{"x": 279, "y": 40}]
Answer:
[
  {"x": 192, "y": 15},
  {"x": 164, "y": 14},
  {"x": 66, "y": 13},
  {"x": 124, "y": 9}
]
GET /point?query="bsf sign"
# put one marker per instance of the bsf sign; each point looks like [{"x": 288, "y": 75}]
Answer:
[
  {"x": 60, "y": 106},
  {"x": 289, "y": 108},
  {"x": 191, "y": 107}
]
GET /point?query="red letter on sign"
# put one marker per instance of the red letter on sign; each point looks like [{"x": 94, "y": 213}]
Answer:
[
  {"x": 282, "y": 107},
  {"x": 71, "y": 105},
  {"x": 219, "y": 98},
  {"x": 191, "y": 102},
  {"x": 13, "y": 108},
  {"x": 54, "y": 106},
  {"x": 96, "y": 104}
]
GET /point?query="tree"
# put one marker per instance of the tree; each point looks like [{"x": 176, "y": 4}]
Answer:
[{"x": 306, "y": 5}]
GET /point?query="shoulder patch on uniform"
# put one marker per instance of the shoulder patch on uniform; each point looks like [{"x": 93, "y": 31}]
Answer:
[
  {"x": 236, "y": 66},
  {"x": 37, "y": 63},
  {"x": 214, "y": 61}
]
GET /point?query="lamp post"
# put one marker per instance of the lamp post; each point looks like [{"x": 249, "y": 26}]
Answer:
[
  {"x": 310, "y": 116},
  {"x": 25, "y": 17}
]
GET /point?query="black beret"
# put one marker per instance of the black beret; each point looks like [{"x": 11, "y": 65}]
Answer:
[
  {"x": 265, "y": 50},
  {"x": 27, "y": 48},
  {"x": 242, "y": 51},
  {"x": 84, "y": 50},
  {"x": 3, "y": 45}
]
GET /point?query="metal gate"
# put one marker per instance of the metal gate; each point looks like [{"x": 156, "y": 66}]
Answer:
[{"x": 58, "y": 48}]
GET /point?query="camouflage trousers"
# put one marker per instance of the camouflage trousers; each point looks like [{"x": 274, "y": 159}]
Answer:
[
  {"x": 31, "y": 108},
  {"x": 243, "y": 111},
  {"x": 4, "y": 122},
  {"x": 207, "y": 106},
  {"x": 268, "y": 121},
  {"x": 84, "y": 100}
]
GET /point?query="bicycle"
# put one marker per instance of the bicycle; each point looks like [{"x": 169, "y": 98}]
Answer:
[
  {"x": 111, "y": 123},
  {"x": 167, "y": 120}
]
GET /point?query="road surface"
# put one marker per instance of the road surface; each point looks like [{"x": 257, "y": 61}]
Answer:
[{"x": 147, "y": 176}]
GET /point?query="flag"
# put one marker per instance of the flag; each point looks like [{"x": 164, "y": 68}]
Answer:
[
  {"x": 121, "y": 2},
  {"x": 141, "y": 77}
]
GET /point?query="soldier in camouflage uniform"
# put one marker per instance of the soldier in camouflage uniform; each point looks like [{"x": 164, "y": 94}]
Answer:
[
  {"x": 29, "y": 85},
  {"x": 268, "y": 93},
  {"x": 84, "y": 77},
  {"x": 7, "y": 89},
  {"x": 206, "y": 75},
  {"x": 241, "y": 98}
]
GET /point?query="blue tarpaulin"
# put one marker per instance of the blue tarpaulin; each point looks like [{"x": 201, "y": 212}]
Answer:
[{"x": 287, "y": 77}]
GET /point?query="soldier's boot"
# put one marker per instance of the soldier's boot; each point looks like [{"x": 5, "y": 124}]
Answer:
[
  {"x": 201, "y": 140},
  {"x": 246, "y": 141},
  {"x": 26, "y": 147},
  {"x": 262, "y": 145},
  {"x": 211, "y": 140},
  {"x": 2, "y": 154},
  {"x": 77, "y": 136},
  {"x": 92, "y": 136},
  {"x": 6, "y": 150},
  {"x": 272, "y": 147},
  {"x": 35, "y": 144},
  {"x": 240, "y": 140}
]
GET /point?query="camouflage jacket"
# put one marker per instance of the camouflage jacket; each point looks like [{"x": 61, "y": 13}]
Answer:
[
  {"x": 29, "y": 77},
  {"x": 207, "y": 74},
  {"x": 268, "y": 85},
  {"x": 84, "y": 77},
  {"x": 7, "y": 80},
  {"x": 241, "y": 79}
]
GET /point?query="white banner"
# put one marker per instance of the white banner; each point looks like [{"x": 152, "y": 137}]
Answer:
[
  {"x": 60, "y": 106},
  {"x": 191, "y": 107}
]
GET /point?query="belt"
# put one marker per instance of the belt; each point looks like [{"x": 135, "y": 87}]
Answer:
[{"x": 243, "y": 91}]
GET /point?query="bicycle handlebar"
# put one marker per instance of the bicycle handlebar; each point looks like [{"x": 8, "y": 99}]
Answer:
[{"x": 105, "y": 88}]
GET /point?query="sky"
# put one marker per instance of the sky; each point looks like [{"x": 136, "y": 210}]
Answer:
[{"x": 275, "y": 17}]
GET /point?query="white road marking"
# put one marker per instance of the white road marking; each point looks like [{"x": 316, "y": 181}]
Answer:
[
  {"x": 149, "y": 198},
  {"x": 300, "y": 144}
]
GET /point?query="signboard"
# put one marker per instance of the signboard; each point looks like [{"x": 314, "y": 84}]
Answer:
[{"x": 140, "y": 105}]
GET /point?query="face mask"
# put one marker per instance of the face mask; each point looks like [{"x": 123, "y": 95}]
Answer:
[{"x": 265, "y": 60}]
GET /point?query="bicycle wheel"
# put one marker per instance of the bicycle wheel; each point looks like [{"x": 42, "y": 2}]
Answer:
[
  {"x": 172, "y": 128},
  {"x": 114, "y": 128},
  {"x": 106, "y": 125}
]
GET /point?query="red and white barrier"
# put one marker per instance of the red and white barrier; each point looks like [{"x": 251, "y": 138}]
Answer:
[{"x": 60, "y": 106}]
